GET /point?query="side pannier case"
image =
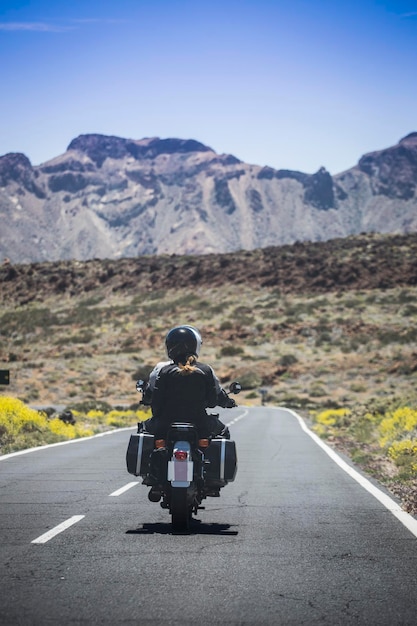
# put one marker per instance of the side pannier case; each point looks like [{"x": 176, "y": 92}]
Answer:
[
  {"x": 222, "y": 457},
  {"x": 138, "y": 453}
]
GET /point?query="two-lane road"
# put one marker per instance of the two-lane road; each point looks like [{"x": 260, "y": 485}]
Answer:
[{"x": 294, "y": 540}]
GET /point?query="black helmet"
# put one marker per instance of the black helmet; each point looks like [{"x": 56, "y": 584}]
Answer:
[{"x": 183, "y": 341}]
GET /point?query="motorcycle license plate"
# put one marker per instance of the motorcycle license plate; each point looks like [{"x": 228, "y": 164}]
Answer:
[{"x": 180, "y": 473}]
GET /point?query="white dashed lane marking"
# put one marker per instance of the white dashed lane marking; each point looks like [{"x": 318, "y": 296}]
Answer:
[
  {"x": 58, "y": 529},
  {"x": 119, "y": 492}
]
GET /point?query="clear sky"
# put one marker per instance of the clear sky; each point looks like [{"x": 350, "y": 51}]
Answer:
[{"x": 293, "y": 84}]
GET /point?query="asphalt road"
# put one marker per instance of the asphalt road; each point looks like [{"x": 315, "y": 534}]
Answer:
[{"x": 294, "y": 540}]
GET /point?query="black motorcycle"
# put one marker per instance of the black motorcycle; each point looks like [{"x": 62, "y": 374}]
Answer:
[{"x": 182, "y": 469}]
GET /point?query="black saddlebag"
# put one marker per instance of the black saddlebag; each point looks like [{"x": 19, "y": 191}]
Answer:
[
  {"x": 222, "y": 457},
  {"x": 138, "y": 453}
]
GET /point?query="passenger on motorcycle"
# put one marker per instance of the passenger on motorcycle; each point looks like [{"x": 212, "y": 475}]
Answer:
[{"x": 182, "y": 388}]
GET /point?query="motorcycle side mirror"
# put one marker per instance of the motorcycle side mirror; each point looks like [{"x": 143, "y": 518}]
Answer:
[
  {"x": 140, "y": 385},
  {"x": 235, "y": 387}
]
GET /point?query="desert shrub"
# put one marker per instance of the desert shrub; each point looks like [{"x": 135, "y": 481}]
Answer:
[
  {"x": 159, "y": 307},
  {"x": 358, "y": 387},
  {"x": 85, "y": 337},
  {"x": 231, "y": 350},
  {"x": 296, "y": 402},
  {"x": 352, "y": 303},
  {"x": 142, "y": 372},
  {"x": 267, "y": 303},
  {"x": 81, "y": 315},
  {"x": 156, "y": 294},
  {"x": 287, "y": 360},
  {"x": 317, "y": 391},
  {"x": 393, "y": 335},
  {"x": 352, "y": 345},
  {"x": 92, "y": 300},
  {"x": 90, "y": 405},
  {"x": 249, "y": 378},
  {"x": 129, "y": 344},
  {"x": 409, "y": 310},
  {"x": 406, "y": 296},
  {"x": 323, "y": 338},
  {"x": 70, "y": 354},
  {"x": 27, "y": 321}
]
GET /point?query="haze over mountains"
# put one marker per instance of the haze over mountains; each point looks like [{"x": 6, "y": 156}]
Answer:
[{"x": 109, "y": 197}]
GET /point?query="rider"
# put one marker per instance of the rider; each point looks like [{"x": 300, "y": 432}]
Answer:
[{"x": 183, "y": 387}]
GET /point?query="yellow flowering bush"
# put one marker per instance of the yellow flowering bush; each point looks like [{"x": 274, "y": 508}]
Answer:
[
  {"x": 325, "y": 421},
  {"x": 404, "y": 453},
  {"x": 95, "y": 416},
  {"x": 68, "y": 431},
  {"x": 387, "y": 432},
  {"x": 16, "y": 417},
  {"x": 22, "y": 427},
  {"x": 401, "y": 423},
  {"x": 398, "y": 435},
  {"x": 119, "y": 419}
]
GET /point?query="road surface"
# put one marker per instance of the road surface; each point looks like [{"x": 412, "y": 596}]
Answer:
[{"x": 294, "y": 540}]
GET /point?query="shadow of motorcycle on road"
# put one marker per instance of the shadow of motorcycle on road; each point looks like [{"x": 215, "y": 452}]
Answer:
[{"x": 196, "y": 527}]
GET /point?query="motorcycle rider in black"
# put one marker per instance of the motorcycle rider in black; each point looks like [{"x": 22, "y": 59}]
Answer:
[{"x": 182, "y": 388}]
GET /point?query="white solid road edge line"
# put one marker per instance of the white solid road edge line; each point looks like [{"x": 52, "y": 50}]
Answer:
[
  {"x": 405, "y": 518},
  {"x": 64, "y": 443},
  {"x": 58, "y": 529}
]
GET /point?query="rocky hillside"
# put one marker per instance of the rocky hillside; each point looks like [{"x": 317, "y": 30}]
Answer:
[
  {"x": 109, "y": 197},
  {"x": 355, "y": 263}
]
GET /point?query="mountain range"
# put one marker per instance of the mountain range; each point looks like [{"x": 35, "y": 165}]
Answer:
[{"x": 110, "y": 197}]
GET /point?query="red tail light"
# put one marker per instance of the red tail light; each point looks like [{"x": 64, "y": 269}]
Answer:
[{"x": 180, "y": 455}]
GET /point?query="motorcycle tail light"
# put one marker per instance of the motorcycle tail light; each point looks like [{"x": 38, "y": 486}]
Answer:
[
  {"x": 203, "y": 443},
  {"x": 180, "y": 455},
  {"x": 160, "y": 443}
]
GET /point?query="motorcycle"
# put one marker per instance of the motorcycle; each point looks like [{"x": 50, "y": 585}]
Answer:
[{"x": 182, "y": 469}]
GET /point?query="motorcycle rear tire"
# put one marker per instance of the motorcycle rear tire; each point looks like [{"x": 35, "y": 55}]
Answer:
[{"x": 179, "y": 510}]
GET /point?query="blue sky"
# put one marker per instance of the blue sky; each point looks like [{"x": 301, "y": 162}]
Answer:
[{"x": 294, "y": 84}]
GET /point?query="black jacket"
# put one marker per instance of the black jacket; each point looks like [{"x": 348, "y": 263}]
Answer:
[
  {"x": 179, "y": 397},
  {"x": 175, "y": 397}
]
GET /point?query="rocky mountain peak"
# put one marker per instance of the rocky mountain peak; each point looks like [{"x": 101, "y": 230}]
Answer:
[
  {"x": 17, "y": 170},
  {"x": 410, "y": 139},
  {"x": 393, "y": 170},
  {"x": 100, "y": 147},
  {"x": 319, "y": 190},
  {"x": 14, "y": 167}
]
